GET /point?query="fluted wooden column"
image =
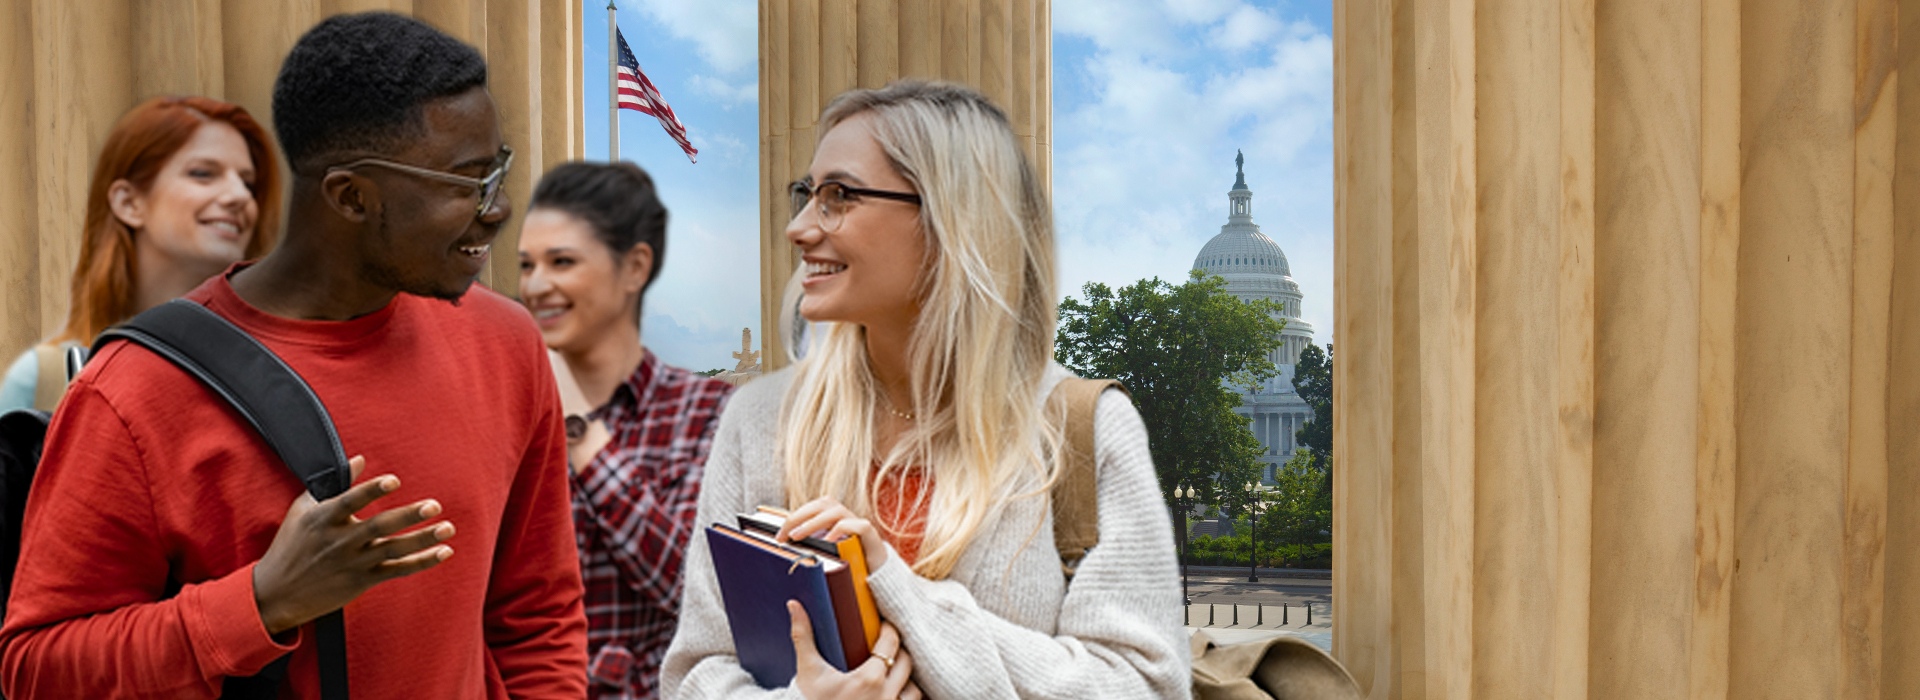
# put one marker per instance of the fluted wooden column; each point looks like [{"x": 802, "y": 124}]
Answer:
[
  {"x": 1628, "y": 298},
  {"x": 70, "y": 68},
  {"x": 813, "y": 50}
]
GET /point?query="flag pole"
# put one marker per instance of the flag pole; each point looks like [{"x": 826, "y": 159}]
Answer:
[{"x": 613, "y": 88}]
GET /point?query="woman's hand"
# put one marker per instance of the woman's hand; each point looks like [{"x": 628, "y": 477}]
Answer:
[
  {"x": 825, "y": 518},
  {"x": 885, "y": 675}
]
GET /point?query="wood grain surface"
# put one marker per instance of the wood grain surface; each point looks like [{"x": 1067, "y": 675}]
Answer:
[
  {"x": 1628, "y": 302},
  {"x": 70, "y": 68}
]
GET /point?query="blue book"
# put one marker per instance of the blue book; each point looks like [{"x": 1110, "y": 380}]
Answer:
[{"x": 757, "y": 578}]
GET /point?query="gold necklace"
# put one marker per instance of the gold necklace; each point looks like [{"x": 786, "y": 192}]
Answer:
[{"x": 896, "y": 414}]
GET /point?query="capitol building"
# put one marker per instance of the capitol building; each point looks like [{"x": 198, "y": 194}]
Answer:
[{"x": 1255, "y": 268}]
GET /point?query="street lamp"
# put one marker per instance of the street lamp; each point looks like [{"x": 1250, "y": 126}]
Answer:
[
  {"x": 1186, "y": 499},
  {"x": 1253, "y": 537}
]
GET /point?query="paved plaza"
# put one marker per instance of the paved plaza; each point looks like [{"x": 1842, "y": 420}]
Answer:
[{"x": 1285, "y": 602}]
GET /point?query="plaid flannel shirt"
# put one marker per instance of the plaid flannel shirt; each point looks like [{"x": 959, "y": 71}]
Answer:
[{"x": 633, "y": 512}]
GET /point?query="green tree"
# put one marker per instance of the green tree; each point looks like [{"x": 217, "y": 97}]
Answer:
[
  {"x": 1313, "y": 381},
  {"x": 1299, "y": 509},
  {"x": 1177, "y": 349}
]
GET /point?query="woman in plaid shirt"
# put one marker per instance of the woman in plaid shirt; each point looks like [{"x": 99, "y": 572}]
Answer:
[{"x": 637, "y": 429}]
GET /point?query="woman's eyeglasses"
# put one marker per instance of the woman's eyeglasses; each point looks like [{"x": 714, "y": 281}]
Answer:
[
  {"x": 835, "y": 198},
  {"x": 489, "y": 187}
]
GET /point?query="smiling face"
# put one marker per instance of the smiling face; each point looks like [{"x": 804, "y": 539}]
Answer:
[
  {"x": 868, "y": 270},
  {"x": 426, "y": 239},
  {"x": 580, "y": 292},
  {"x": 200, "y": 210}
]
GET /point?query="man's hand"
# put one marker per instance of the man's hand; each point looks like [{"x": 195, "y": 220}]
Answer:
[
  {"x": 323, "y": 557},
  {"x": 885, "y": 675}
]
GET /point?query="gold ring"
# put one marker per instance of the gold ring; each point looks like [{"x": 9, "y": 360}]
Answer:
[{"x": 888, "y": 660}]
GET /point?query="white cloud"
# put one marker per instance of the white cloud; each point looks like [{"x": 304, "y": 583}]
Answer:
[
  {"x": 1141, "y": 170},
  {"x": 701, "y": 281},
  {"x": 697, "y": 349},
  {"x": 1199, "y": 11},
  {"x": 709, "y": 285},
  {"x": 719, "y": 146},
  {"x": 1158, "y": 29},
  {"x": 1244, "y": 28},
  {"x": 1120, "y": 27},
  {"x": 727, "y": 94},
  {"x": 726, "y": 32}
]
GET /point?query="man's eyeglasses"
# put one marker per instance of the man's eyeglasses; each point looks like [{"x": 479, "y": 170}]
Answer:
[
  {"x": 835, "y": 198},
  {"x": 489, "y": 187}
]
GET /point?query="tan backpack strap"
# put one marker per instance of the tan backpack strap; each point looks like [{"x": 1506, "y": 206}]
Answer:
[
  {"x": 52, "y": 381},
  {"x": 1076, "y": 516}
]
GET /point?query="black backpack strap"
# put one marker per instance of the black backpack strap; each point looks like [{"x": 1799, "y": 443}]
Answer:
[
  {"x": 266, "y": 392},
  {"x": 279, "y": 405}
]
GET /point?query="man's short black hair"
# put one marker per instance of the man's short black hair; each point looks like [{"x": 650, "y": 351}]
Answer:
[
  {"x": 616, "y": 199},
  {"x": 358, "y": 82}
]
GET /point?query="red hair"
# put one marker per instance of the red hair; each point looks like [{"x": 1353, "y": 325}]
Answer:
[{"x": 142, "y": 142}]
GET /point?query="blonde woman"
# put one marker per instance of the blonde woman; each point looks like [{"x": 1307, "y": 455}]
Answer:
[{"x": 917, "y": 421}]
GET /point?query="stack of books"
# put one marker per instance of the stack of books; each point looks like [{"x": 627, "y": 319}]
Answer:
[{"x": 759, "y": 575}]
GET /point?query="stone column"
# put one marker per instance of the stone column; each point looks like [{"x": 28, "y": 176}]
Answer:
[
  {"x": 1628, "y": 298},
  {"x": 70, "y": 68},
  {"x": 812, "y": 50}
]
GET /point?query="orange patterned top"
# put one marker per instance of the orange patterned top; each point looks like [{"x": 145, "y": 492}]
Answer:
[{"x": 900, "y": 502}]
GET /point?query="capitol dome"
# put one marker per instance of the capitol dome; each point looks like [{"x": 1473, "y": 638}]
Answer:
[
  {"x": 1254, "y": 267},
  {"x": 1244, "y": 252}
]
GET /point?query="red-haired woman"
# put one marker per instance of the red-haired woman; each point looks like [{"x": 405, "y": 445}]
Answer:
[{"x": 184, "y": 187}]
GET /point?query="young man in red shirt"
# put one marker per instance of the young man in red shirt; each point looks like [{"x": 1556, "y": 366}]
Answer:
[{"x": 160, "y": 556}]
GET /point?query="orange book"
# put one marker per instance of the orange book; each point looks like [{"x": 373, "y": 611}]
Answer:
[{"x": 769, "y": 519}]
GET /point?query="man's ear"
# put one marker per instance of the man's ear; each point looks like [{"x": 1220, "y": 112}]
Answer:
[
  {"x": 127, "y": 203},
  {"x": 348, "y": 195},
  {"x": 636, "y": 268}
]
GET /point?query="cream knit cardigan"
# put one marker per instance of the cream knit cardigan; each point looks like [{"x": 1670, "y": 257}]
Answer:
[{"x": 1003, "y": 624}]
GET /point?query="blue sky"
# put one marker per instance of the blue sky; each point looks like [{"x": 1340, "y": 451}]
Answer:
[
  {"x": 1150, "y": 101},
  {"x": 1151, "y": 97},
  {"x": 704, "y": 58}
]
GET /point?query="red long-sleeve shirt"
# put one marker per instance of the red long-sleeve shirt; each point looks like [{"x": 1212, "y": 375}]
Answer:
[{"x": 154, "y": 500}]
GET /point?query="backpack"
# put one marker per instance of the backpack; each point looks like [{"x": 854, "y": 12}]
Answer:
[
  {"x": 1075, "y": 495},
  {"x": 267, "y": 393},
  {"x": 1267, "y": 669}
]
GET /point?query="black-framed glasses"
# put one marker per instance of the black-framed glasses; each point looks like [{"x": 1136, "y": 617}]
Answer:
[
  {"x": 489, "y": 187},
  {"x": 835, "y": 197}
]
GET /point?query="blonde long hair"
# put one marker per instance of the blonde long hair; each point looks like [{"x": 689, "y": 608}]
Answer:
[{"x": 979, "y": 348}]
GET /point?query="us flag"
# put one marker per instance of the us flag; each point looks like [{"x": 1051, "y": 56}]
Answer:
[{"x": 638, "y": 94}]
